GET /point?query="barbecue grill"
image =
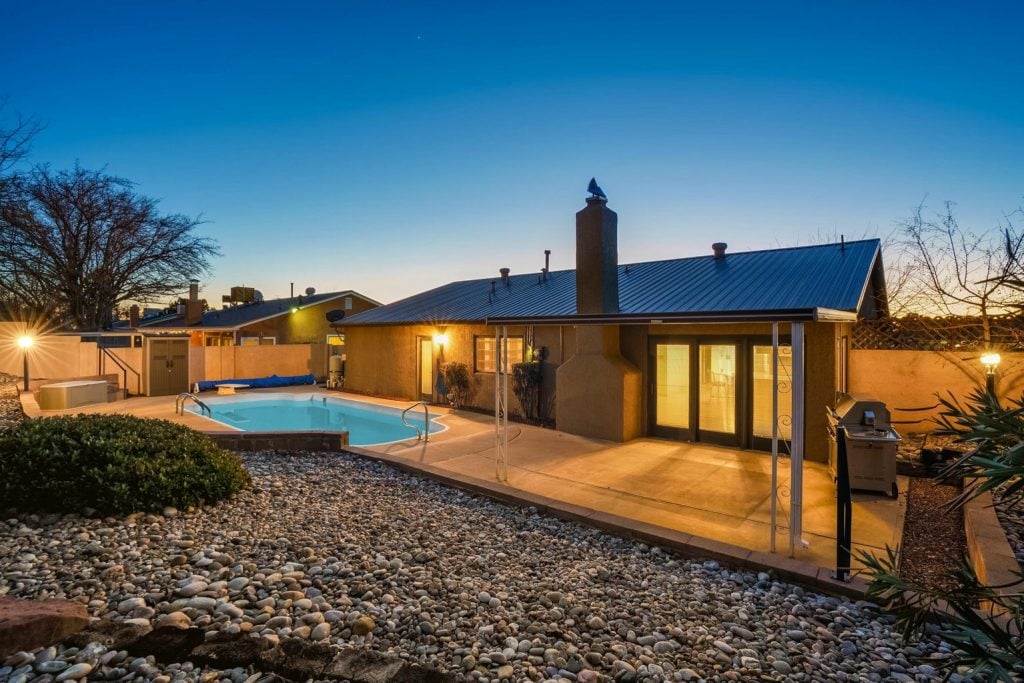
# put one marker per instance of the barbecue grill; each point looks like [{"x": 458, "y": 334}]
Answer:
[{"x": 871, "y": 442}]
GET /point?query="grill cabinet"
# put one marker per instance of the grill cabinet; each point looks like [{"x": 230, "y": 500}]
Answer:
[{"x": 871, "y": 443}]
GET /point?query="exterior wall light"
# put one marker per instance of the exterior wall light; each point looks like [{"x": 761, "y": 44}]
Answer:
[
  {"x": 25, "y": 342},
  {"x": 991, "y": 362},
  {"x": 440, "y": 338},
  {"x": 295, "y": 309}
]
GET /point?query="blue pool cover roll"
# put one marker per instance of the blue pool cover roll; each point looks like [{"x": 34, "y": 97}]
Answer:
[{"x": 260, "y": 382}]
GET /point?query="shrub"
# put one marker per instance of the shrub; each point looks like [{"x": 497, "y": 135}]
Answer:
[
  {"x": 115, "y": 464},
  {"x": 458, "y": 383},
  {"x": 982, "y": 622},
  {"x": 526, "y": 379}
]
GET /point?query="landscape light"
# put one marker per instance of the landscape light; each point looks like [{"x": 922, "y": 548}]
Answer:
[
  {"x": 25, "y": 342},
  {"x": 990, "y": 361}
]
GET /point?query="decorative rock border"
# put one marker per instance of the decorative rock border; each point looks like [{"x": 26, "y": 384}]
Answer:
[{"x": 989, "y": 550}]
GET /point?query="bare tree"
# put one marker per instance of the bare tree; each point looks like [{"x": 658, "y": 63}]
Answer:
[
  {"x": 16, "y": 138},
  {"x": 82, "y": 242},
  {"x": 956, "y": 271}
]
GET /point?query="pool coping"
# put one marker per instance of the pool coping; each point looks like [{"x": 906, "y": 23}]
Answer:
[{"x": 436, "y": 418}]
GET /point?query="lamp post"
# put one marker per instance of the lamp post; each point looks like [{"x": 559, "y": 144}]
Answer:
[
  {"x": 991, "y": 361},
  {"x": 25, "y": 342}
]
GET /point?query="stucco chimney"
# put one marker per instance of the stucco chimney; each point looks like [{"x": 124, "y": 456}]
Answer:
[
  {"x": 719, "y": 249},
  {"x": 193, "y": 307},
  {"x": 597, "y": 368},
  {"x": 504, "y": 275},
  {"x": 133, "y": 316},
  {"x": 597, "y": 258}
]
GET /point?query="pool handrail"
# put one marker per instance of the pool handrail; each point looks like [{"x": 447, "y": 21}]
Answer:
[
  {"x": 423, "y": 435},
  {"x": 179, "y": 404}
]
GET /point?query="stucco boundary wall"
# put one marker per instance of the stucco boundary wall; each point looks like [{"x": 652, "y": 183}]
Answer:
[
  {"x": 990, "y": 553},
  {"x": 238, "y": 362},
  {"x": 63, "y": 357},
  {"x": 911, "y": 379}
]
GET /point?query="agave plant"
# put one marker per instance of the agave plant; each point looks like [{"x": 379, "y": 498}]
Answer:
[{"x": 984, "y": 623}]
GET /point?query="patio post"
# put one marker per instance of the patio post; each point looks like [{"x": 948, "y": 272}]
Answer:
[
  {"x": 500, "y": 403},
  {"x": 796, "y": 478},
  {"x": 775, "y": 433}
]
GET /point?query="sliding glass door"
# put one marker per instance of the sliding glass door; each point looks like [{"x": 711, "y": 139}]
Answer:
[
  {"x": 718, "y": 390},
  {"x": 672, "y": 390},
  {"x": 694, "y": 391},
  {"x": 717, "y": 393}
]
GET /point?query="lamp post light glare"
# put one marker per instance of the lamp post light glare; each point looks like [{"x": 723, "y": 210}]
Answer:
[
  {"x": 25, "y": 342},
  {"x": 991, "y": 362}
]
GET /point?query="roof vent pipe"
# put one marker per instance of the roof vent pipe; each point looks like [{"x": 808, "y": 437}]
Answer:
[
  {"x": 504, "y": 275},
  {"x": 547, "y": 263},
  {"x": 719, "y": 249}
]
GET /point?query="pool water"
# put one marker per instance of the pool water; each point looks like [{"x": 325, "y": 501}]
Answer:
[{"x": 367, "y": 423}]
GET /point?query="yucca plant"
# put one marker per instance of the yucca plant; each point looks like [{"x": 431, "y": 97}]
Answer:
[{"x": 984, "y": 623}]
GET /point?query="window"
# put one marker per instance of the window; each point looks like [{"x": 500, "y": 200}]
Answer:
[
  {"x": 259, "y": 341},
  {"x": 485, "y": 356},
  {"x": 348, "y": 303}
]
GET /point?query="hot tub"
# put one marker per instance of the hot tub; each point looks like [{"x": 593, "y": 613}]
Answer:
[{"x": 72, "y": 394}]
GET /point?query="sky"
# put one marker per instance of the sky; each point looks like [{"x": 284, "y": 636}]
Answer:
[{"x": 393, "y": 147}]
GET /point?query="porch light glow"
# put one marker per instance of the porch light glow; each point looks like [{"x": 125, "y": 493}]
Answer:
[
  {"x": 295, "y": 309},
  {"x": 25, "y": 341},
  {"x": 440, "y": 338}
]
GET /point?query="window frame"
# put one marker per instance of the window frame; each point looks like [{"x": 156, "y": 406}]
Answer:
[{"x": 476, "y": 355}]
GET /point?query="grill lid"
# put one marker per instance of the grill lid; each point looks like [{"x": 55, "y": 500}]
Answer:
[{"x": 861, "y": 410}]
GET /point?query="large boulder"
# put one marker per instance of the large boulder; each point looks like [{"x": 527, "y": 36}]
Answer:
[{"x": 29, "y": 624}]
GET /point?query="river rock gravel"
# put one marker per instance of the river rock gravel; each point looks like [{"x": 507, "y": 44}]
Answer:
[
  {"x": 353, "y": 553},
  {"x": 10, "y": 404}
]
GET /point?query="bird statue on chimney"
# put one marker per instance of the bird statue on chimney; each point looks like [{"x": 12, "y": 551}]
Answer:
[{"x": 595, "y": 190}]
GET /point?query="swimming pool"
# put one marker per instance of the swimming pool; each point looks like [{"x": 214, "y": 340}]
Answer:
[{"x": 367, "y": 424}]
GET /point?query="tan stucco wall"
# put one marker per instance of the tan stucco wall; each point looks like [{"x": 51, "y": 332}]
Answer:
[
  {"x": 239, "y": 362},
  {"x": 382, "y": 361},
  {"x": 600, "y": 393},
  {"x": 911, "y": 379},
  {"x": 57, "y": 357}
]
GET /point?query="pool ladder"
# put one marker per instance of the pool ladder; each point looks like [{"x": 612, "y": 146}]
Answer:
[
  {"x": 179, "y": 404},
  {"x": 421, "y": 434}
]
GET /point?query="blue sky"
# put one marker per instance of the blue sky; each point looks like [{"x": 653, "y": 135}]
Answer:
[{"x": 392, "y": 147}]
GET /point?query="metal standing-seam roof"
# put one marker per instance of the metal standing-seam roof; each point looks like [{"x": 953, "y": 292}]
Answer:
[{"x": 797, "y": 282}]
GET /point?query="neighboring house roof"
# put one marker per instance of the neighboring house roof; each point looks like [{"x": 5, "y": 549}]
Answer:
[
  {"x": 826, "y": 281},
  {"x": 242, "y": 315}
]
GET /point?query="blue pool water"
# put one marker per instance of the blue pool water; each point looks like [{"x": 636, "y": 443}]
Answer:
[{"x": 366, "y": 423}]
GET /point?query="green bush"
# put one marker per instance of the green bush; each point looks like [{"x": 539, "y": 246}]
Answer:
[
  {"x": 459, "y": 383},
  {"x": 115, "y": 464}
]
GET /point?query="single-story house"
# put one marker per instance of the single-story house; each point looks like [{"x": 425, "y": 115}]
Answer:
[
  {"x": 679, "y": 348},
  {"x": 289, "y": 320},
  {"x": 191, "y": 345}
]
